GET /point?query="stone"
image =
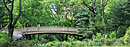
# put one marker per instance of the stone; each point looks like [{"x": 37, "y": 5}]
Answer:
[{"x": 18, "y": 35}]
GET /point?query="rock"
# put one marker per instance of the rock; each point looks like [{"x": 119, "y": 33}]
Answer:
[{"x": 18, "y": 35}]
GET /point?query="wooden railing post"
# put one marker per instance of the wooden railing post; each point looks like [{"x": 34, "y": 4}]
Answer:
[{"x": 38, "y": 30}]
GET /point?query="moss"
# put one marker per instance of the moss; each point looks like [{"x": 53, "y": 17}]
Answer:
[{"x": 127, "y": 36}]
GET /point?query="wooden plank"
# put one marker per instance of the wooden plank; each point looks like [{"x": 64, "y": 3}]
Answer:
[{"x": 47, "y": 29}]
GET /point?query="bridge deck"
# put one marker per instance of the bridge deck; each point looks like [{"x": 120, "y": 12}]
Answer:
[{"x": 49, "y": 30}]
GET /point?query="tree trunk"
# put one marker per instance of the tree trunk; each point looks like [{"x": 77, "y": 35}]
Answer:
[
  {"x": 103, "y": 16},
  {"x": 10, "y": 31}
]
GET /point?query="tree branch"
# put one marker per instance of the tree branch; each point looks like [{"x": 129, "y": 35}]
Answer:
[
  {"x": 4, "y": 26},
  {"x": 6, "y": 6},
  {"x": 93, "y": 7},
  {"x": 12, "y": 5},
  {"x": 19, "y": 13},
  {"x": 9, "y": 1},
  {"x": 11, "y": 13},
  {"x": 106, "y": 3},
  {"x": 87, "y": 6},
  {"x": 93, "y": 4}
]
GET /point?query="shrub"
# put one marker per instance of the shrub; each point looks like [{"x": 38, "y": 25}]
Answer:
[
  {"x": 98, "y": 43},
  {"x": 127, "y": 36},
  {"x": 113, "y": 35},
  {"x": 121, "y": 40},
  {"x": 3, "y": 36},
  {"x": 59, "y": 44},
  {"x": 79, "y": 43},
  {"x": 116, "y": 43},
  {"x": 28, "y": 43}
]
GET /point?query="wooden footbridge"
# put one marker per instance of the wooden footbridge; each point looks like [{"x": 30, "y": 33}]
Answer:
[
  {"x": 50, "y": 30},
  {"x": 29, "y": 31}
]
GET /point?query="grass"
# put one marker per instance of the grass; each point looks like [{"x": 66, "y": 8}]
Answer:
[{"x": 80, "y": 46}]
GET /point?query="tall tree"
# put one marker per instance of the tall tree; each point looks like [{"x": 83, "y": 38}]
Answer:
[
  {"x": 11, "y": 21},
  {"x": 93, "y": 9},
  {"x": 119, "y": 16},
  {"x": 102, "y": 13}
]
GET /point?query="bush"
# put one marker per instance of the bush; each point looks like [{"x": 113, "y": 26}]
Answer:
[
  {"x": 74, "y": 44},
  {"x": 121, "y": 40},
  {"x": 113, "y": 35},
  {"x": 100, "y": 39},
  {"x": 28, "y": 43},
  {"x": 116, "y": 43},
  {"x": 79, "y": 43},
  {"x": 3, "y": 36},
  {"x": 67, "y": 44},
  {"x": 59, "y": 44},
  {"x": 127, "y": 36},
  {"x": 98, "y": 43}
]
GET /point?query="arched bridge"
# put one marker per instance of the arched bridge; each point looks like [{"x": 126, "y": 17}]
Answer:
[{"x": 49, "y": 30}]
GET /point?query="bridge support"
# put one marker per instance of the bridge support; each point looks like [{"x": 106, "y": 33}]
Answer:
[
  {"x": 38, "y": 37},
  {"x": 28, "y": 37},
  {"x": 66, "y": 37}
]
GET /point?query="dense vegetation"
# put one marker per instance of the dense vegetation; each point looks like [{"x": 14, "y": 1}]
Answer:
[{"x": 104, "y": 22}]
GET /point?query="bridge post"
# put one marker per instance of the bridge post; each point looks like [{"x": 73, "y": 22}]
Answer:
[
  {"x": 38, "y": 30},
  {"x": 29, "y": 37},
  {"x": 66, "y": 37},
  {"x": 38, "y": 37}
]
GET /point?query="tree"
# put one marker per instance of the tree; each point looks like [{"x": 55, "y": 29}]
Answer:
[
  {"x": 12, "y": 22},
  {"x": 36, "y": 12},
  {"x": 93, "y": 9},
  {"x": 119, "y": 16},
  {"x": 103, "y": 5},
  {"x": 92, "y": 19}
]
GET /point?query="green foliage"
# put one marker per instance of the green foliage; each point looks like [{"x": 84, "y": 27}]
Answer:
[
  {"x": 3, "y": 15},
  {"x": 39, "y": 12},
  {"x": 107, "y": 39},
  {"x": 85, "y": 43},
  {"x": 59, "y": 44},
  {"x": 98, "y": 36},
  {"x": 84, "y": 22},
  {"x": 113, "y": 35},
  {"x": 118, "y": 18},
  {"x": 97, "y": 44},
  {"x": 45, "y": 38},
  {"x": 127, "y": 36},
  {"x": 27, "y": 43},
  {"x": 116, "y": 43},
  {"x": 3, "y": 37},
  {"x": 72, "y": 38}
]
